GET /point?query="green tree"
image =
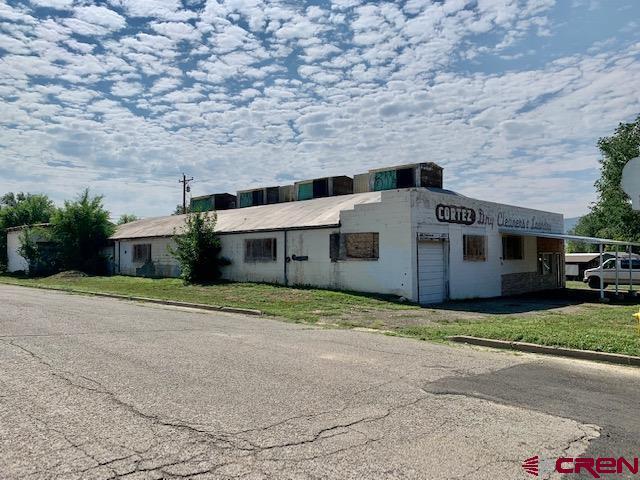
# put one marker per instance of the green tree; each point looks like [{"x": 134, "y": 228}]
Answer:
[
  {"x": 178, "y": 210},
  {"x": 35, "y": 247},
  {"x": 611, "y": 216},
  {"x": 198, "y": 249},
  {"x": 80, "y": 230},
  {"x": 127, "y": 218},
  {"x": 18, "y": 209}
]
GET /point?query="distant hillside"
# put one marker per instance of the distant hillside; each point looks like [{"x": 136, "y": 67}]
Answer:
[{"x": 569, "y": 223}]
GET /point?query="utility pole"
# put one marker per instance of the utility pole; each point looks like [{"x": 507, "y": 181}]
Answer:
[{"x": 185, "y": 188}]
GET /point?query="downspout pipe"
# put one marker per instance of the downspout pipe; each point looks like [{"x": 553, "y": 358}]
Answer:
[{"x": 286, "y": 260}]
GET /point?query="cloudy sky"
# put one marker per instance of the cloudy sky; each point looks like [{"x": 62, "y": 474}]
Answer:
[{"x": 509, "y": 96}]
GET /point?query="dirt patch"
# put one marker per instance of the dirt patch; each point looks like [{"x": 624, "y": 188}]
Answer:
[
  {"x": 68, "y": 274},
  {"x": 470, "y": 310}
]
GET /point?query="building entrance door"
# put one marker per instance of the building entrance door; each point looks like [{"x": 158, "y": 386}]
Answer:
[{"x": 432, "y": 270}]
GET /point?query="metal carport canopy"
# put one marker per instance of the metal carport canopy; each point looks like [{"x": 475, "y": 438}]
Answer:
[{"x": 577, "y": 238}]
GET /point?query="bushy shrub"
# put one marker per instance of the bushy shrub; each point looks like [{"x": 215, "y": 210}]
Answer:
[{"x": 198, "y": 248}]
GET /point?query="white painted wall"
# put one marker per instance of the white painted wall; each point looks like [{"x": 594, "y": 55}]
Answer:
[
  {"x": 15, "y": 261},
  {"x": 391, "y": 273},
  {"x": 164, "y": 263},
  {"x": 472, "y": 279},
  {"x": 398, "y": 218},
  {"x": 233, "y": 249}
]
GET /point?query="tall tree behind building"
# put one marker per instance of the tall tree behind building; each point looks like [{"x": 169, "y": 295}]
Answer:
[{"x": 611, "y": 215}]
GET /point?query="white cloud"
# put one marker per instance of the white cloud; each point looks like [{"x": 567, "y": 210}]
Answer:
[
  {"x": 57, "y": 4},
  {"x": 246, "y": 92},
  {"x": 101, "y": 16},
  {"x": 126, "y": 89}
]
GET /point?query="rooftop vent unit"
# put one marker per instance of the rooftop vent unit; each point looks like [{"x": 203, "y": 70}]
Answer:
[
  {"x": 323, "y": 187},
  {"x": 403, "y": 176},
  {"x": 264, "y": 196},
  {"x": 216, "y": 201}
]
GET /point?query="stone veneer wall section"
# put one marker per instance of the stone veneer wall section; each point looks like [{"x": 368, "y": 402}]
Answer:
[{"x": 516, "y": 283}]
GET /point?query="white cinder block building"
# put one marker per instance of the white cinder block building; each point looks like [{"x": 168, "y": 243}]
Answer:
[
  {"x": 15, "y": 261},
  {"x": 426, "y": 244}
]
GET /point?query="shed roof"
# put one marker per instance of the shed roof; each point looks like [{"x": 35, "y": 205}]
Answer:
[
  {"x": 580, "y": 257},
  {"x": 319, "y": 212},
  {"x": 22, "y": 227},
  {"x": 584, "y": 257}
]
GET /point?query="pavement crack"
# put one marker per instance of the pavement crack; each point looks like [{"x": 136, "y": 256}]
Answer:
[{"x": 322, "y": 433}]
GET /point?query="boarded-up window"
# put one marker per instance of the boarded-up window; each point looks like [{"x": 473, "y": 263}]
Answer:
[
  {"x": 474, "y": 248},
  {"x": 361, "y": 246},
  {"x": 512, "y": 247},
  {"x": 142, "y": 253},
  {"x": 260, "y": 250},
  {"x": 334, "y": 247}
]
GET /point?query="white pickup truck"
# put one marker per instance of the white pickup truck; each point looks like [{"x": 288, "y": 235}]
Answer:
[{"x": 608, "y": 272}]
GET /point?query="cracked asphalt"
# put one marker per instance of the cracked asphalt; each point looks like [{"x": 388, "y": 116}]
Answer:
[{"x": 96, "y": 388}]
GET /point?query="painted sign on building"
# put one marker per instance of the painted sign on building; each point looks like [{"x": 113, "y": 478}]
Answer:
[{"x": 501, "y": 218}]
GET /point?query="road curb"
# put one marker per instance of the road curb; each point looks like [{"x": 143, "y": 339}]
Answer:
[
  {"x": 546, "y": 350},
  {"x": 173, "y": 303}
]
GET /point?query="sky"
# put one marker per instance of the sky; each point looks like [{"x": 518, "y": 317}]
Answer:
[{"x": 123, "y": 96}]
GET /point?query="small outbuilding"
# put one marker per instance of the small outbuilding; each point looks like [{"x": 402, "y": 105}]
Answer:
[
  {"x": 425, "y": 244},
  {"x": 15, "y": 261}
]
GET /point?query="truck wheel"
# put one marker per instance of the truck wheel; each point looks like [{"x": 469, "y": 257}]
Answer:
[{"x": 594, "y": 282}]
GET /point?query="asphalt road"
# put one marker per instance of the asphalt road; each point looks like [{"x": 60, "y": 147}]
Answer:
[{"x": 95, "y": 388}]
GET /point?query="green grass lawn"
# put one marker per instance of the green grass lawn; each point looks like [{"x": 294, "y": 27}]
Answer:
[
  {"x": 574, "y": 324},
  {"x": 603, "y": 328},
  {"x": 297, "y": 304}
]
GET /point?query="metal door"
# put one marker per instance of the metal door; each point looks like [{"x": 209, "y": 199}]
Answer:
[{"x": 432, "y": 271}]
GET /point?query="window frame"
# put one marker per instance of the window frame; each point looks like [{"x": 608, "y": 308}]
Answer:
[
  {"x": 505, "y": 247},
  {"x": 467, "y": 257},
  {"x": 250, "y": 250},
  {"x": 340, "y": 243},
  {"x": 541, "y": 263},
  {"x": 136, "y": 257}
]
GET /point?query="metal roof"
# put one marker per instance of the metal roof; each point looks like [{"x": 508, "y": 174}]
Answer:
[
  {"x": 562, "y": 236},
  {"x": 580, "y": 257},
  {"x": 316, "y": 213},
  {"x": 22, "y": 227},
  {"x": 585, "y": 257}
]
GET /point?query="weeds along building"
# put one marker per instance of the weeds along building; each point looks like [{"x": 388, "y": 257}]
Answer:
[{"x": 400, "y": 233}]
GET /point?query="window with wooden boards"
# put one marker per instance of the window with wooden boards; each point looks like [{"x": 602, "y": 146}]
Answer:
[
  {"x": 474, "y": 248},
  {"x": 260, "y": 250},
  {"x": 354, "y": 246},
  {"x": 142, "y": 253}
]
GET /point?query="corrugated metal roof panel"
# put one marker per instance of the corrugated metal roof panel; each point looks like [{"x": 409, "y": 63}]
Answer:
[
  {"x": 580, "y": 257},
  {"x": 321, "y": 212}
]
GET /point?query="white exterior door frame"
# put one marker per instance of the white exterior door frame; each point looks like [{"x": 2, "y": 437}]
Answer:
[{"x": 439, "y": 259}]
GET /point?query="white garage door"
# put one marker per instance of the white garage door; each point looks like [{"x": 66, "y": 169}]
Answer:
[{"x": 432, "y": 271}]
